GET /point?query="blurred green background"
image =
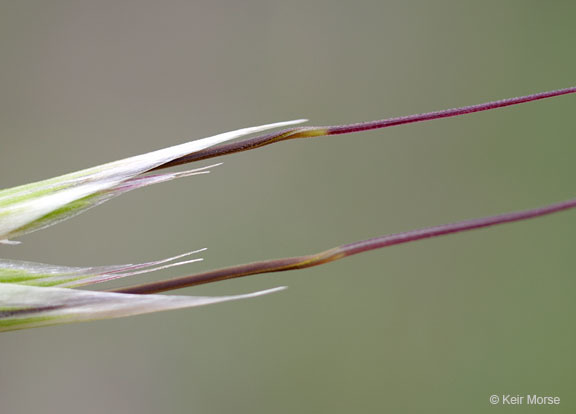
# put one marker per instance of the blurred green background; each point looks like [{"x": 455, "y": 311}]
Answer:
[{"x": 437, "y": 326}]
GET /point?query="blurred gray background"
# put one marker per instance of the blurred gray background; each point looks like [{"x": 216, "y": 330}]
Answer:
[{"x": 437, "y": 326}]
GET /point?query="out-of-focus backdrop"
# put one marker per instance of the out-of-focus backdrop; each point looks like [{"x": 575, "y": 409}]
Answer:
[{"x": 437, "y": 326}]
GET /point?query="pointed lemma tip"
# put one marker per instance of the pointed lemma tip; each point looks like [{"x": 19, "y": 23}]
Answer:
[{"x": 273, "y": 290}]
